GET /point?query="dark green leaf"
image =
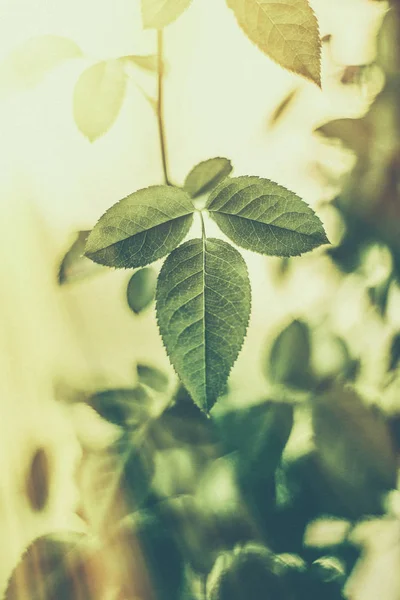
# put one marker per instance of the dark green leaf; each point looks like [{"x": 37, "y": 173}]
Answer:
[
  {"x": 379, "y": 295},
  {"x": 290, "y": 355},
  {"x": 258, "y": 434},
  {"x": 75, "y": 266},
  {"x": 250, "y": 572},
  {"x": 151, "y": 564},
  {"x": 152, "y": 377},
  {"x": 394, "y": 352},
  {"x": 286, "y": 30},
  {"x": 203, "y": 308},
  {"x": 123, "y": 406},
  {"x": 262, "y": 216},
  {"x": 157, "y": 14},
  {"x": 141, "y": 289},
  {"x": 355, "y": 450},
  {"x": 207, "y": 175},
  {"x": 141, "y": 228}
]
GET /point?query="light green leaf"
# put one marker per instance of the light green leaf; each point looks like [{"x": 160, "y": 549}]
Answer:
[
  {"x": 157, "y": 14},
  {"x": 203, "y": 307},
  {"x": 98, "y": 97},
  {"x": 74, "y": 266},
  {"x": 286, "y": 30},
  {"x": 152, "y": 377},
  {"x": 264, "y": 217},
  {"x": 207, "y": 175},
  {"x": 148, "y": 62},
  {"x": 141, "y": 290},
  {"x": 141, "y": 228},
  {"x": 28, "y": 64}
]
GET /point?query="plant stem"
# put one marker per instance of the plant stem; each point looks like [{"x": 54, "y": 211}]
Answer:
[
  {"x": 160, "y": 103},
  {"x": 203, "y": 228}
]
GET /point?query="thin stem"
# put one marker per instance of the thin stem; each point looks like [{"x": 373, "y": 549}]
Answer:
[
  {"x": 160, "y": 104},
  {"x": 203, "y": 228}
]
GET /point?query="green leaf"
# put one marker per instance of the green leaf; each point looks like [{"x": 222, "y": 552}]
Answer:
[
  {"x": 141, "y": 228},
  {"x": 122, "y": 406},
  {"x": 148, "y": 62},
  {"x": 75, "y": 266},
  {"x": 258, "y": 433},
  {"x": 203, "y": 305},
  {"x": 152, "y": 377},
  {"x": 28, "y": 64},
  {"x": 157, "y": 14},
  {"x": 207, "y": 175},
  {"x": 290, "y": 356},
  {"x": 264, "y": 217},
  {"x": 394, "y": 352},
  {"x": 286, "y": 30},
  {"x": 141, "y": 290},
  {"x": 98, "y": 97}
]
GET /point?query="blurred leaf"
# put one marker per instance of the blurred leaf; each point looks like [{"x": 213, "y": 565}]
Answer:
[
  {"x": 38, "y": 480},
  {"x": 98, "y": 97},
  {"x": 152, "y": 377},
  {"x": 141, "y": 228},
  {"x": 262, "y": 216},
  {"x": 283, "y": 107},
  {"x": 290, "y": 356},
  {"x": 123, "y": 406},
  {"x": 203, "y": 324},
  {"x": 207, "y": 175},
  {"x": 151, "y": 564},
  {"x": 258, "y": 433},
  {"x": 31, "y": 61},
  {"x": 54, "y": 566},
  {"x": 286, "y": 31},
  {"x": 242, "y": 574},
  {"x": 148, "y": 62},
  {"x": 157, "y": 14},
  {"x": 355, "y": 450},
  {"x": 394, "y": 352},
  {"x": 141, "y": 290},
  {"x": 117, "y": 481},
  {"x": 75, "y": 266},
  {"x": 379, "y": 295}
]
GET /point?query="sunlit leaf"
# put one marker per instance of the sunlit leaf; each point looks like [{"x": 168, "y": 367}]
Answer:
[
  {"x": 141, "y": 228},
  {"x": 207, "y": 175},
  {"x": 290, "y": 356},
  {"x": 203, "y": 307},
  {"x": 31, "y": 61},
  {"x": 141, "y": 290},
  {"x": 262, "y": 216},
  {"x": 157, "y": 14},
  {"x": 98, "y": 97},
  {"x": 286, "y": 30},
  {"x": 147, "y": 62},
  {"x": 75, "y": 266},
  {"x": 154, "y": 378}
]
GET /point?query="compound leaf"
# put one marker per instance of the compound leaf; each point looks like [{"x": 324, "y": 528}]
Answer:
[
  {"x": 98, "y": 97},
  {"x": 286, "y": 30},
  {"x": 265, "y": 217},
  {"x": 157, "y": 14},
  {"x": 141, "y": 228},
  {"x": 207, "y": 175},
  {"x": 203, "y": 307}
]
